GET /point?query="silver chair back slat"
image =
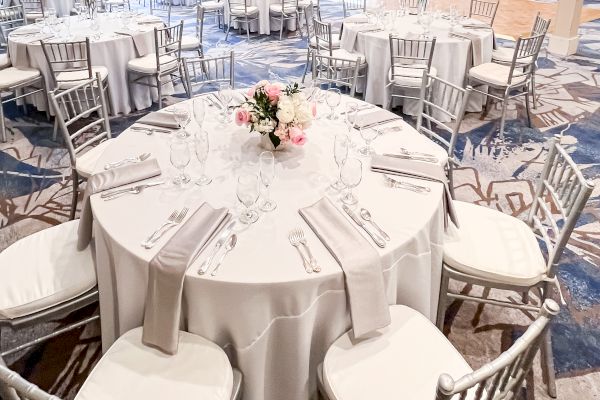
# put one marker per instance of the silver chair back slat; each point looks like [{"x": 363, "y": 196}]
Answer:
[
  {"x": 323, "y": 36},
  {"x": 68, "y": 57},
  {"x": 160, "y": 7},
  {"x": 33, "y": 6},
  {"x": 11, "y": 18},
  {"x": 354, "y": 5},
  {"x": 209, "y": 71},
  {"x": 309, "y": 15},
  {"x": 335, "y": 71},
  {"x": 524, "y": 57},
  {"x": 410, "y": 53},
  {"x": 167, "y": 43},
  {"x": 484, "y": 8},
  {"x": 540, "y": 25},
  {"x": 413, "y": 6}
]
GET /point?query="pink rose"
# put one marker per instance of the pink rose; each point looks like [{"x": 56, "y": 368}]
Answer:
[
  {"x": 281, "y": 133},
  {"x": 273, "y": 92},
  {"x": 297, "y": 136},
  {"x": 313, "y": 109},
  {"x": 251, "y": 92},
  {"x": 242, "y": 116}
]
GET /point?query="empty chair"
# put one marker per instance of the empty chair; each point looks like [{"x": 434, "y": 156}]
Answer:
[
  {"x": 325, "y": 44},
  {"x": 82, "y": 118},
  {"x": 33, "y": 9},
  {"x": 120, "y": 5},
  {"x": 241, "y": 13},
  {"x": 194, "y": 42},
  {"x": 11, "y": 18},
  {"x": 507, "y": 82},
  {"x": 132, "y": 371},
  {"x": 412, "y": 359},
  {"x": 336, "y": 72},
  {"x": 311, "y": 45},
  {"x": 161, "y": 66},
  {"x": 209, "y": 72},
  {"x": 214, "y": 7},
  {"x": 285, "y": 11},
  {"x": 351, "y": 6},
  {"x": 413, "y": 6},
  {"x": 161, "y": 7},
  {"x": 484, "y": 9},
  {"x": 495, "y": 250}
]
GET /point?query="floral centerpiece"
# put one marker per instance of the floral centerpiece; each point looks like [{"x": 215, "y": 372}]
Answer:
[{"x": 278, "y": 112}]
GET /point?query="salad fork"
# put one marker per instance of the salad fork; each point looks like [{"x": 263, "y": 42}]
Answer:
[
  {"x": 295, "y": 241},
  {"x": 302, "y": 240},
  {"x": 174, "y": 219},
  {"x": 132, "y": 190},
  {"x": 140, "y": 158}
]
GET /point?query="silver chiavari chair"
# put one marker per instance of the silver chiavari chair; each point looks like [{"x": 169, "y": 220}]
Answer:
[
  {"x": 484, "y": 8},
  {"x": 413, "y": 6},
  {"x": 325, "y": 45},
  {"x": 33, "y": 9},
  {"x": 508, "y": 81},
  {"x": 194, "y": 42},
  {"x": 161, "y": 7},
  {"x": 128, "y": 362},
  {"x": 165, "y": 62},
  {"x": 209, "y": 72},
  {"x": 354, "y": 5},
  {"x": 311, "y": 44},
  {"x": 85, "y": 105},
  {"x": 241, "y": 13},
  {"x": 214, "y": 7},
  {"x": 335, "y": 72},
  {"x": 435, "y": 362},
  {"x": 119, "y": 5},
  {"x": 513, "y": 259},
  {"x": 11, "y": 18},
  {"x": 284, "y": 11}
]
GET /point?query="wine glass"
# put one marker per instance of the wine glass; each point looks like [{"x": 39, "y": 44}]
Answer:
[
  {"x": 225, "y": 95},
  {"x": 350, "y": 115},
  {"x": 181, "y": 114},
  {"x": 247, "y": 193},
  {"x": 180, "y": 158},
  {"x": 95, "y": 26},
  {"x": 267, "y": 175},
  {"x": 317, "y": 96},
  {"x": 333, "y": 99},
  {"x": 368, "y": 135},
  {"x": 201, "y": 147},
  {"x": 350, "y": 175},
  {"x": 341, "y": 146},
  {"x": 199, "y": 109}
]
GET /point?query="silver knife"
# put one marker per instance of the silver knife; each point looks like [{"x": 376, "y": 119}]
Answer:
[
  {"x": 385, "y": 121},
  {"x": 138, "y": 187},
  {"x": 414, "y": 157},
  {"x": 143, "y": 128},
  {"x": 378, "y": 241},
  {"x": 222, "y": 238}
]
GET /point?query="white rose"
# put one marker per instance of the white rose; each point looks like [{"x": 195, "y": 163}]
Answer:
[
  {"x": 285, "y": 112},
  {"x": 303, "y": 114}
]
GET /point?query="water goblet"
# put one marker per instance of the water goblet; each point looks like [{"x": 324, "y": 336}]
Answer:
[
  {"x": 368, "y": 135},
  {"x": 350, "y": 175},
  {"x": 225, "y": 95},
  {"x": 199, "y": 109},
  {"x": 341, "y": 147},
  {"x": 333, "y": 99},
  {"x": 180, "y": 158},
  {"x": 350, "y": 115},
  {"x": 181, "y": 113},
  {"x": 247, "y": 192},
  {"x": 201, "y": 148},
  {"x": 267, "y": 176}
]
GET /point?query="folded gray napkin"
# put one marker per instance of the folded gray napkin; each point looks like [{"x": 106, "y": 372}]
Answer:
[
  {"x": 476, "y": 46},
  {"x": 18, "y": 55},
  {"x": 359, "y": 261},
  {"x": 378, "y": 115},
  {"x": 142, "y": 47},
  {"x": 420, "y": 170},
  {"x": 350, "y": 34},
  {"x": 107, "y": 180},
  {"x": 162, "y": 119},
  {"x": 162, "y": 310},
  {"x": 358, "y": 18}
]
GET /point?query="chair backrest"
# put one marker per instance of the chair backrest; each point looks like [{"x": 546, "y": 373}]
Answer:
[
  {"x": 354, "y": 5},
  {"x": 167, "y": 44},
  {"x": 335, "y": 71},
  {"x": 414, "y": 6},
  {"x": 484, "y": 8},
  {"x": 561, "y": 195},
  {"x": 441, "y": 98},
  {"x": 503, "y": 377},
  {"x": 74, "y": 109},
  {"x": 11, "y": 18},
  {"x": 540, "y": 25},
  {"x": 160, "y": 7},
  {"x": 33, "y": 6},
  {"x": 208, "y": 71},
  {"x": 238, "y": 5},
  {"x": 309, "y": 15},
  {"x": 68, "y": 57},
  {"x": 323, "y": 36},
  {"x": 524, "y": 57},
  {"x": 200, "y": 26},
  {"x": 410, "y": 53},
  {"x": 12, "y": 386}
]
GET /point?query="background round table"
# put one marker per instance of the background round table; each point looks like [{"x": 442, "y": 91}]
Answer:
[
  {"x": 112, "y": 50},
  {"x": 273, "y": 319}
]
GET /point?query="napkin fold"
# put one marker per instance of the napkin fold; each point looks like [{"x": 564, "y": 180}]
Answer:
[
  {"x": 375, "y": 116},
  {"x": 360, "y": 262},
  {"x": 350, "y": 34},
  {"x": 107, "y": 180},
  {"x": 357, "y": 18},
  {"x": 166, "y": 273},
  {"x": 476, "y": 46},
  {"x": 18, "y": 54},
  {"x": 162, "y": 119},
  {"x": 142, "y": 46},
  {"x": 420, "y": 170}
]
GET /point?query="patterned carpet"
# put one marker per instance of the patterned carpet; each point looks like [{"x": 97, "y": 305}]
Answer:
[{"x": 35, "y": 193}]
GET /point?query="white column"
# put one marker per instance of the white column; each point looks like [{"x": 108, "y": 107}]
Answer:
[{"x": 564, "y": 39}]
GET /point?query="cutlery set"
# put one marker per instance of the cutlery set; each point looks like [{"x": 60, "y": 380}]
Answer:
[
  {"x": 297, "y": 239},
  {"x": 140, "y": 158},
  {"x": 174, "y": 219},
  {"x": 378, "y": 238},
  {"x": 150, "y": 129},
  {"x": 226, "y": 241},
  {"x": 414, "y": 156},
  {"x": 391, "y": 182},
  {"x": 113, "y": 194}
]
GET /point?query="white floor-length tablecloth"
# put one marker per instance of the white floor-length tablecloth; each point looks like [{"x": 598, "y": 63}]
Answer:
[
  {"x": 274, "y": 320},
  {"x": 450, "y": 58},
  {"x": 112, "y": 51}
]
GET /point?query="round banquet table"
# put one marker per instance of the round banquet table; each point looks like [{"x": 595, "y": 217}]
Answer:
[
  {"x": 112, "y": 50},
  {"x": 273, "y": 319},
  {"x": 451, "y": 56},
  {"x": 265, "y": 24}
]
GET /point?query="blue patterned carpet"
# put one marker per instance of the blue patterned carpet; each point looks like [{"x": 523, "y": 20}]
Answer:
[{"x": 35, "y": 193}]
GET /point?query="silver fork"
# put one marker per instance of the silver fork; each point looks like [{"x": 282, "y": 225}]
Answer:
[
  {"x": 174, "y": 219},
  {"x": 295, "y": 241},
  {"x": 406, "y": 185},
  {"x": 302, "y": 240},
  {"x": 137, "y": 159}
]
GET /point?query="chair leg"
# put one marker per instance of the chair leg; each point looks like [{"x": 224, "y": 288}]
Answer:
[
  {"x": 549, "y": 359},
  {"x": 159, "y": 88},
  {"x": 247, "y": 29},
  {"x": 503, "y": 118},
  {"x": 228, "y": 28},
  {"x": 75, "y": 196},
  {"x": 281, "y": 28},
  {"x": 2, "y": 123},
  {"x": 528, "y": 109},
  {"x": 6, "y": 392},
  {"x": 441, "y": 309},
  {"x": 307, "y": 63}
]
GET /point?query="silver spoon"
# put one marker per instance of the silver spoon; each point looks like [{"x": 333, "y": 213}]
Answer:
[
  {"x": 366, "y": 215},
  {"x": 228, "y": 247}
]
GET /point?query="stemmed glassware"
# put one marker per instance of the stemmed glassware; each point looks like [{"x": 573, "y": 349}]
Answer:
[
  {"x": 247, "y": 193},
  {"x": 199, "y": 109},
  {"x": 181, "y": 113},
  {"x": 267, "y": 175},
  {"x": 341, "y": 146},
  {"x": 350, "y": 115},
  {"x": 201, "y": 147},
  {"x": 225, "y": 95},
  {"x": 317, "y": 96},
  {"x": 180, "y": 158},
  {"x": 351, "y": 175},
  {"x": 368, "y": 135},
  {"x": 333, "y": 99}
]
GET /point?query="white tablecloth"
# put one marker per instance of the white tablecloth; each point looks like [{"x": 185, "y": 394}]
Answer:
[
  {"x": 273, "y": 319},
  {"x": 450, "y": 57},
  {"x": 265, "y": 24},
  {"x": 112, "y": 51},
  {"x": 62, "y": 7}
]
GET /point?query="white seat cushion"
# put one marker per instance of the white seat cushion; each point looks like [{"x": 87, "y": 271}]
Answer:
[
  {"x": 506, "y": 54},
  {"x": 33, "y": 15},
  {"x": 44, "y": 269},
  {"x": 335, "y": 42},
  {"x": 495, "y": 74},
  {"x": 190, "y": 42},
  {"x": 303, "y": 3},
  {"x": 12, "y": 76},
  {"x": 70, "y": 79},
  {"x": 492, "y": 245},
  {"x": 86, "y": 162},
  {"x": 132, "y": 371},
  {"x": 239, "y": 11},
  {"x": 276, "y": 9},
  {"x": 212, "y": 5},
  {"x": 410, "y": 76},
  {"x": 147, "y": 63},
  {"x": 346, "y": 55},
  {"x": 403, "y": 361},
  {"x": 4, "y": 61}
]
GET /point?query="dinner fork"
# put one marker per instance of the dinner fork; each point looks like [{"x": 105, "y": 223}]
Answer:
[
  {"x": 406, "y": 185},
  {"x": 295, "y": 241},
  {"x": 140, "y": 158},
  {"x": 302, "y": 240},
  {"x": 174, "y": 219}
]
